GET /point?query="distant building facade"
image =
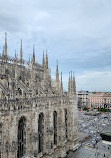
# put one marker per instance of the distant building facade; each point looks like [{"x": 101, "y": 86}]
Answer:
[
  {"x": 82, "y": 98},
  {"x": 99, "y": 99},
  {"x": 36, "y": 117},
  {"x": 94, "y": 99}
]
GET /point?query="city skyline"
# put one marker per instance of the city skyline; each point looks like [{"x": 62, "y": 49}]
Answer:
[{"x": 76, "y": 34}]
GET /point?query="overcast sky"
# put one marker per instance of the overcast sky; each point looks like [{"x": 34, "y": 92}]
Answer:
[{"x": 77, "y": 33}]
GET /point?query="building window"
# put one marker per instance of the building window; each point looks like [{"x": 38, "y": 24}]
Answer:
[
  {"x": 55, "y": 127},
  {"x": 41, "y": 132},
  {"x": 21, "y": 137}
]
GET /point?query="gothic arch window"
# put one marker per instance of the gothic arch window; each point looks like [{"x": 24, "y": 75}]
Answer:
[
  {"x": 55, "y": 127},
  {"x": 0, "y": 140},
  {"x": 40, "y": 132},
  {"x": 21, "y": 137},
  {"x": 66, "y": 123}
]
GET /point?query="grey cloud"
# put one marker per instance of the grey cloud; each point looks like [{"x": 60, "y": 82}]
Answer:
[{"x": 76, "y": 33}]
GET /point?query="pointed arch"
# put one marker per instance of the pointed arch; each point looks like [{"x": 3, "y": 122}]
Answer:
[
  {"x": 21, "y": 137},
  {"x": 40, "y": 132}
]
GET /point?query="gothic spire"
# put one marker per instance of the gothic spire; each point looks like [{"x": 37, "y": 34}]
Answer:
[
  {"x": 3, "y": 51},
  {"x": 15, "y": 57},
  {"x": 29, "y": 58},
  {"x": 46, "y": 60},
  {"x": 69, "y": 83},
  {"x": 21, "y": 53},
  {"x": 74, "y": 84},
  {"x": 57, "y": 73},
  {"x": 43, "y": 60},
  {"x": 61, "y": 82},
  {"x": 5, "y": 44},
  {"x": 15, "y": 54},
  {"x": 33, "y": 54}
]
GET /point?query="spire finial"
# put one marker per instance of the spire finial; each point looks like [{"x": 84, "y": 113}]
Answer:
[
  {"x": 21, "y": 53},
  {"x": 46, "y": 60},
  {"x": 74, "y": 84},
  {"x": 71, "y": 83},
  {"x": 43, "y": 60},
  {"x": 33, "y": 53},
  {"x": 57, "y": 73},
  {"x": 57, "y": 66},
  {"x": 5, "y": 44},
  {"x": 15, "y": 54},
  {"x": 3, "y": 51},
  {"x": 29, "y": 58},
  {"x": 71, "y": 76},
  {"x": 15, "y": 57},
  {"x": 69, "y": 88},
  {"x": 61, "y": 82}
]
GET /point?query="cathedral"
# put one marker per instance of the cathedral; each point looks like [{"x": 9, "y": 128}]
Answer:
[{"x": 37, "y": 117}]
